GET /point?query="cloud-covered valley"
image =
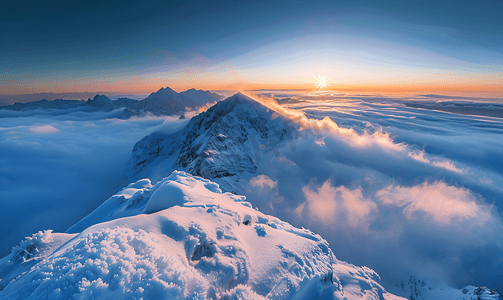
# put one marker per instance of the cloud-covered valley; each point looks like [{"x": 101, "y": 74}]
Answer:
[
  {"x": 56, "y": 168},
  {"x": 404, "y": 190}
]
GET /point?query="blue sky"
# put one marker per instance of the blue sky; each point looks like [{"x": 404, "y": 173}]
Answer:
[{"x": 135, "y": 46}]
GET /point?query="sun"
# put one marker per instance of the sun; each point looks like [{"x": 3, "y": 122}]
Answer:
[{"x": 321, "y": 82}]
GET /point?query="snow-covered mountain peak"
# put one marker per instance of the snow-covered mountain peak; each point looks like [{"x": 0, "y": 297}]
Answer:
[
  {"x": 224, "y": 141},
  {"x": 184, "y": 238}
]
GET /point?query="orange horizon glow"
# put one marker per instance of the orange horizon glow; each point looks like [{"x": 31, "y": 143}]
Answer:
[{"x": 142, "y": 88}]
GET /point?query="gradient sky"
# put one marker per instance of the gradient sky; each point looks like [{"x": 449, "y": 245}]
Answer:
[{"x": 137, "y": 47}]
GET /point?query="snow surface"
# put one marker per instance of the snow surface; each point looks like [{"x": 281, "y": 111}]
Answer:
[
  {"x": 183, "y": 238},
  {"x": 31, "y": 251}
]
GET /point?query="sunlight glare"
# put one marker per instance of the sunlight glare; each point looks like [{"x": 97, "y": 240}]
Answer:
[{"x": 321, "y": 82}]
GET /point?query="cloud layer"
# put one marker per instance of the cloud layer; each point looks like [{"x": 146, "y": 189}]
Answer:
[
  {"x": 403, "y": 190},
  {"x": 56, "y": 168},
  {"x": 444, "y": 204}
]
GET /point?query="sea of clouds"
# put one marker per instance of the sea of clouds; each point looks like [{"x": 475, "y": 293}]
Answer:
[
  {"x": 402, "y": 190},
  {"x": 57, "y": 166},
  {"x": 405, "y": 191}
]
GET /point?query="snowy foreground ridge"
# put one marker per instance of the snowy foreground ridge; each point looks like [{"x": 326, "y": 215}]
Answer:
[{"x": 182, "y": 238}]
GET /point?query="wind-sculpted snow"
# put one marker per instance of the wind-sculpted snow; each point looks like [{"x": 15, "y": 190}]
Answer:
[
  {"x": 31, "y": 251},
  {"x": 186, "y": 239}
]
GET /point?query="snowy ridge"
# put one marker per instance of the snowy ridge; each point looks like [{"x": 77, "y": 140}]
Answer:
[
  {"x": 193, "y": 242},
  {"x": 221, "y": 142}
]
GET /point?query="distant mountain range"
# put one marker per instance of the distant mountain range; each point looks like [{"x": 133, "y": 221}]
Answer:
[
  {"x": 168, "y": 102},
  {"x": 163, "y": 102},
  {"x": 26, "y": 98},
  {"x": 45, "y": 104}
]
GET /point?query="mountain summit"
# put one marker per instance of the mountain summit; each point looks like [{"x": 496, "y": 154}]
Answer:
[{"x": 225, "y": 141}]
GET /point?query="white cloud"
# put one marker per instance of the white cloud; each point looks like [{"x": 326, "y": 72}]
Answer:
[
  {"x": 44, "y": 129},
  {"x": 321, "y": 141},
  {"x": 328, "y": 204},
  {"x": 262, "y": 181},
  {"x": 440, "y": 163},
  {"x": 54, "y": 165},
  {"x": 444, "y": 204},
  {"x": 431, "y": 213},
  {"x": 377, "y": 209}
]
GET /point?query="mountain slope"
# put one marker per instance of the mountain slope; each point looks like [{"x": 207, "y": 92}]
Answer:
[
  {"x": 224, "y": 141},
  {"x": 186, "y": 239}
]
